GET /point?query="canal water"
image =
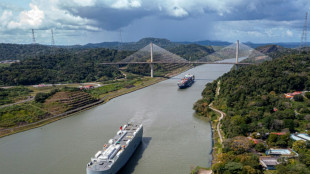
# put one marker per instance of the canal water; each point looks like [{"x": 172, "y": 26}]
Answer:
[{"x": 174, "y": 138}]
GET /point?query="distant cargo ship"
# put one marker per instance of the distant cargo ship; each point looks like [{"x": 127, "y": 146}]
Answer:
[
  {"x": 116, "y": 153},
  {"x": 187, "y": 81}
]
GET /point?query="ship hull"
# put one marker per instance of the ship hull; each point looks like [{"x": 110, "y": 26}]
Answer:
[
  {"x": 124, "y": 157},
  {"x": 185, "y": 85}
]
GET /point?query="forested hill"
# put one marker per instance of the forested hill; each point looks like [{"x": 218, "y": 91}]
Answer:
[
  {"x": 275, "y": 51},
  {"x": 63, "y": 65},
  {"x": 254, "y": 102},
  {"x": 252, "y": 92},
  {"x": 22, "y": 51}
]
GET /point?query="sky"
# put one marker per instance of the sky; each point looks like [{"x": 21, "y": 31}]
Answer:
[{"x": 93, "y": 21}]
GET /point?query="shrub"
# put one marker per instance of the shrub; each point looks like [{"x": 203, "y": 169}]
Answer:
[{"x": 298, "y": 98}]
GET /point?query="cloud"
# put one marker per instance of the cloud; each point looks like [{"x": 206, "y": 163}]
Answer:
[
  {"x": 289, "y": 33},
  {"x": 126, "y": 4},
  {"x": 252, "y": 19},
  {"x": 115, "y": 14},
  {"x": 28, "y": 19}
]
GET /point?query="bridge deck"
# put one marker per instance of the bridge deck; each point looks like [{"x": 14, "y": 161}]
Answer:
[{"x": 122, "y": 63}]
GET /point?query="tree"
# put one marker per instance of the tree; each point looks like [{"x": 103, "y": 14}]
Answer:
[
  {"x": 299, "y": 146},
  {"x": 233, "y": 167},
  {"x": 260, "y": 147},
  {"x": 298, "y": 97},
  {"x": 292, "y": 168},
  {"x": 272, "y": 139},
  {"x": 40, "y": 97},
  {"x": 304, "y": 157},
  {"x": 238, "y": 145}
]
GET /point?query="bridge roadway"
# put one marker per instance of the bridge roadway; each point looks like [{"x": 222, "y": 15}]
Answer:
[{"x": 122, "y": 63}]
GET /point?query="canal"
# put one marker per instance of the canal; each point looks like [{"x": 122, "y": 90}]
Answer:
[{"x": 174, "y": 138}]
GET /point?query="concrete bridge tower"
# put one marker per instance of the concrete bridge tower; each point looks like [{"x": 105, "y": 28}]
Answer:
[
  {"x": 237, "y": 55},
  {"x": 152, "y": 66}
]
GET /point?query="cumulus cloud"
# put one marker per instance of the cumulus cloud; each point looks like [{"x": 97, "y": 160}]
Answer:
[
  {"x": 126, "y": 4},
  {"x": 28, "y": 19}
]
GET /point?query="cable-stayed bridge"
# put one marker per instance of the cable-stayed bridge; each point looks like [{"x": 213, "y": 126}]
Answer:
[{"x": 153, "y": 54}]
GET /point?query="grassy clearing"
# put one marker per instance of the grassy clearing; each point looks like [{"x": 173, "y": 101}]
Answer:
[
  {"x": 3, "y": 65},
  {"x": 12, "y": 95}
]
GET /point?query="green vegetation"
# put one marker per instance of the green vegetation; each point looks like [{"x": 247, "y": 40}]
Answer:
[
  {"x": 237, "y": 163},
  {"x": 98, "y": 92},
  {"x": 280, "y": 141},
  {"x": 45, "y": 104},
  {"x": 19, "y": 51},
  {"x": 20, "y": 114},
  {"x": 11, "y": 95},
  {"x": 41, "y": 97},
  {"x": 63, "y": 66},
  {"x": 254, "y": 102},
  {"x": 2, "y": 65},
  {"x": 192, "y": 52}
]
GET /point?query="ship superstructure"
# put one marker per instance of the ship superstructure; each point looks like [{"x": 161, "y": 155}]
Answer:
[{"x": 116, "y": 153}]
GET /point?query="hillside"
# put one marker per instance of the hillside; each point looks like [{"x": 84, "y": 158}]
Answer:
[
  {"x": 63, "y": 66},
  {"x": 275, "y": 50},
  {"x": 254, "y": 102},
  {"x": 192, "y": 52},
  {"x": 67, "y": 100},
  {"x": 260, "y": 88},
  {"x": 30, "y": 112},
  {"x": 165, "y": 43},
  {"x": 22, "y": 51}
]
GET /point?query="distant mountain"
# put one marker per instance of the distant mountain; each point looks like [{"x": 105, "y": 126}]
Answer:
[
  {"x": 133, "y": 46},
  {"x": 274, "y": 51},
  {"x": 282, "y": 44},
  {"x": 164, "y": 43},
  {"x": 192, "y": 51},
  {"x": 208, "y": 43}
]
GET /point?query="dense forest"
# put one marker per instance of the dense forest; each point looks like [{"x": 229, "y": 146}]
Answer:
[
  {"x": 254, "y": 102},
  {"x": 63, "y": 66},
  {"x": 23, "y": 51}
]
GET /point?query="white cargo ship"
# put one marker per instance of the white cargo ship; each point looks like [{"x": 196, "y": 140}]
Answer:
[{"x": 117, "y": 152}]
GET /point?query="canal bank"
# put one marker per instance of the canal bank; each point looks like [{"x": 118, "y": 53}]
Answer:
[
  {"x": 174, "y": 140},
  {"x": 105, "y": 98}
]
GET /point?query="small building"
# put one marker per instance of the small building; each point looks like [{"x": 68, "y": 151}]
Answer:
[
  {"x": 268, "y": 162},
  {"x": 300, "y": 136},
  {"x": 281, "y": 152},
  {"x": 291, "y": 95},
  {"x": 296, "y": 138},
  {"x": 42, "y": 85},
  {"x": 87, "y": 87},
  {"x": 255, "y": 141},
  {"x": 278, "y": 133}
]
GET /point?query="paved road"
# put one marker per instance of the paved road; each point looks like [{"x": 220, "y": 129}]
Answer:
[{"x": 29, "y": 98}]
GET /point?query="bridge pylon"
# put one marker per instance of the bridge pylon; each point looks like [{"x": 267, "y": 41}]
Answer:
[
  {"x": 237, "y": 55},
  {"x": 152, "y": 66}
]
